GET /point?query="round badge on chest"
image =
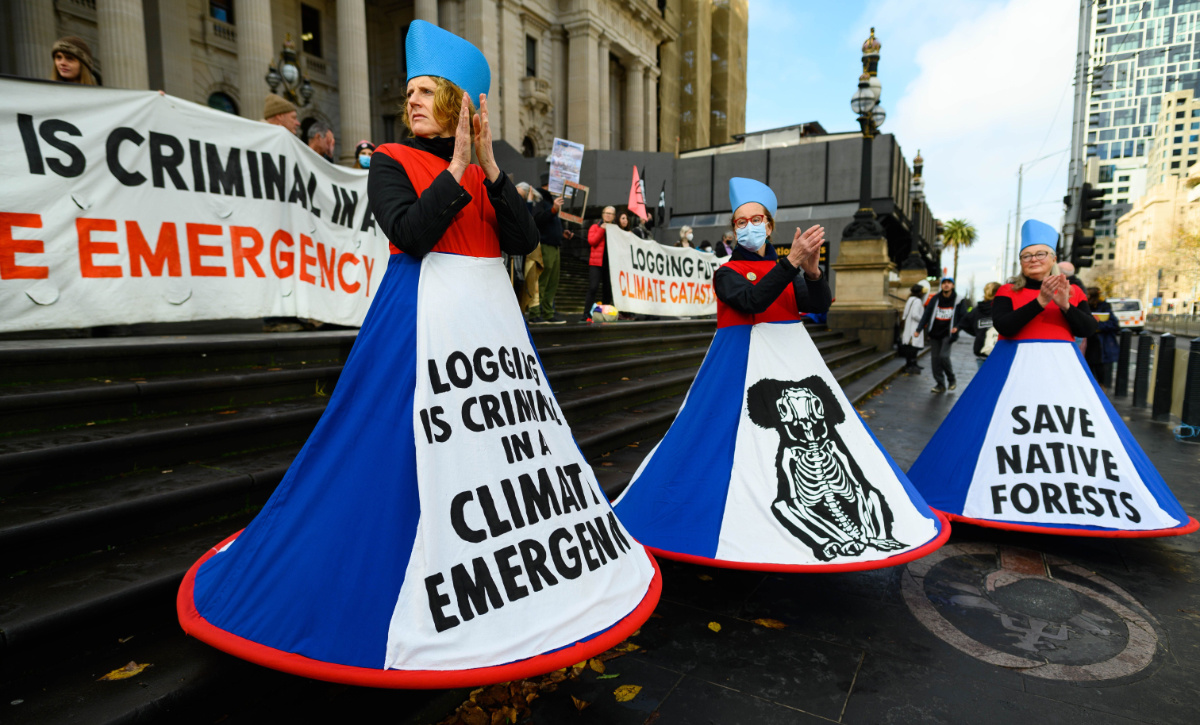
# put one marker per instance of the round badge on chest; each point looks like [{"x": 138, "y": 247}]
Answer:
[{"x": 751, "y": 276}]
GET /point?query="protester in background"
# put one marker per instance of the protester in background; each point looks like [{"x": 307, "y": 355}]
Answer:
[
  {"x": 706, "y": 247},
  {"x": 546, "y": 208},
  {"x": 73, "y": 62},
  {"x": 978, "y": 322},
  {"x": 528, "y": 293},
  {"x": 279, "y": 111},
  {"x": 635, "y": 226},
  {"x": 685, "y": 237},
  {"x": 362, "y": 154},
  {"x": 940, "y": 322},
  {"x": 623, "y": 222},
  {"x": 912, "y": 340},
  {"x": 320, "y": 139},
  {"x": 1102, "y": 347},
  {"x": 1069, "y": 270},
  {"x": 724, "y": 248},
  {"x": 598, "y": 282}
]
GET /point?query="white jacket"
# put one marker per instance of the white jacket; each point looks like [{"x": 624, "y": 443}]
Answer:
[{"x": 913, "y": 309}]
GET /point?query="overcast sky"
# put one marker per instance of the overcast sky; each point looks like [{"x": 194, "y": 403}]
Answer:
[{"x": 977, "y": 86}]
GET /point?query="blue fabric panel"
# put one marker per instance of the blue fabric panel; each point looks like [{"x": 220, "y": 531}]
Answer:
[
  {"x": 943, "y": 471},
  {"x": 912, "y": 493},
  {"x": 678, "y": 502},
  {"x": 319, "y": 569}
]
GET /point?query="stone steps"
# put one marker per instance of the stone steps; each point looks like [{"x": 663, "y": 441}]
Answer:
[{"x": 189, "y": 436}]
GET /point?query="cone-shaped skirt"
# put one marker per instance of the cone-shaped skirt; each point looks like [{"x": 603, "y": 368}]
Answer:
[
  {"x": 1034, "y": 444},
  {"x": 440, "y": 527},
  {"x": 768, "y": 466}
]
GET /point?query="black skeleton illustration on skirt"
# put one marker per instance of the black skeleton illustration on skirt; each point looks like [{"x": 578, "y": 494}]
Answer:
[{"x": 823, "y": 497}]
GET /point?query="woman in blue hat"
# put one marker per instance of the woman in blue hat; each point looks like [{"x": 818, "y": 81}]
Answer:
[
  {"x": 798, "y": 483},
  {"x": 1033, "y": 444},
  {"x": 440, "y": 527}
]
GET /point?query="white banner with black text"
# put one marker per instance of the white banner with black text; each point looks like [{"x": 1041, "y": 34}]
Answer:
[{"x": 120, "y": 207}]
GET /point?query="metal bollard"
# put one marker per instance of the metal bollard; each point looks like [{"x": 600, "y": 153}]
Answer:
[
  {"x": 1191, "y": 395},
  {"x": 1122, "y": 388},
  {"x": 1141, "y": 375},
  {"x": 1164, "y": 377}
]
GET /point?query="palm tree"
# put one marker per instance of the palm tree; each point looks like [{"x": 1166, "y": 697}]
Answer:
[{"x": 958, "y": 233}]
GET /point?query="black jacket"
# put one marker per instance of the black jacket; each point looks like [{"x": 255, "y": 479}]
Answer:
[
  {"x": 1009, "y": 322},
  {"x": 415, "y": 223},
  {"x": 746, "y": 297},
  {"x": 927, "y": 321},
  {"x": 549, "y": 226},
  {"x": 977, "y": 322}
]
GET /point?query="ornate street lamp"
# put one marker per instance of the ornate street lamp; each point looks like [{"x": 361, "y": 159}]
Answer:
[
  {"x": 285, "y": 71},
  {"x": 865, "y": 103}
]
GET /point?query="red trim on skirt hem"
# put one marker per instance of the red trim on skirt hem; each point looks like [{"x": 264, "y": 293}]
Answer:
[
  {"x": 1191, "y": 526},
  {"x": 923, "y": 550},
  {"x": 198, "y": 627}
]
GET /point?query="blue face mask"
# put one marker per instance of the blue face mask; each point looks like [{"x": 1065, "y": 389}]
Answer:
[
  {"x": 364, "y": 161},
  {"x": 752, "y": 236}
]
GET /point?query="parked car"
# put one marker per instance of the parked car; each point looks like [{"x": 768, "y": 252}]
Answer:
[{"x": 1129, "y": 313}]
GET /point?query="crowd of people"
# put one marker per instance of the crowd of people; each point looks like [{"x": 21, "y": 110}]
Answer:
[{"x": 936, "y": 320}]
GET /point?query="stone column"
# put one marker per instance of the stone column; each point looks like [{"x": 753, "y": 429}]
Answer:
[
  {"x": 862, "y": 303},
  {"x": 558, "y": 81},
  {"x": 481, "y": 29},
  {"x": 173, "y": 27},
  {"x": 256, "y": 50},
  {"x": 122, "y": 51},
  {"x": 604, "y": 92},
  {"x": 635, "y": 105},
  {"x": 582, "y": 83},
  {"x": 33, "y": 34},
  {"x": 651, "y": 108},
  {"x": 426, "y": 10},
  {"x": 354, "y": 95},
  {"x": 512, "y": 69}
]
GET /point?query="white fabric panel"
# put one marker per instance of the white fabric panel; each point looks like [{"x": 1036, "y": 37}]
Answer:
[
  {"x": 452, "y": 292},
  {"x": 1072, "y": 422},
  {"x": 753, "y": 529}
]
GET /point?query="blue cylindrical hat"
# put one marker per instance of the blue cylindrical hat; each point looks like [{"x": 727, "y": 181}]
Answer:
[
  {"x": 743, "y": 190},
  {"x": 1036, "y": 232},
  {"x": 431, "y": 51}
]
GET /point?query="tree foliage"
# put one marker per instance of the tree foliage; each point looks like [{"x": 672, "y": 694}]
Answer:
[{"x": 958, "y": 234}]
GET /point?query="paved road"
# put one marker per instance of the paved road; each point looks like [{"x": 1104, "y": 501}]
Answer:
[{"x": 892, "y": 646}]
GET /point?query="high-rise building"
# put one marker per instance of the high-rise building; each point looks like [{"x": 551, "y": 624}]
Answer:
[{"x": 1139, "y": 51}]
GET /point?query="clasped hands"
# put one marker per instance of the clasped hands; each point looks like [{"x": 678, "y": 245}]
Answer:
[
  {"x": 483, "y": 141},
  {"x": 1056, "y": 289},
  {"x": 806, "y": 251}
]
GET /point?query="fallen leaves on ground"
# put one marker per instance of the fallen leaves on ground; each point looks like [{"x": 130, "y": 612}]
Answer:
[
  {"x": 704, "y": 577},
  {"x": 714, "y": 626},
  {"x": 509, "y": 702},
  {"x": 625, "y": 693},
  {"x": 770, "y": 623},
  {"x": 124, "y": 673},
  {"x": 226, "y": 412},
  {"x": 606, "y": 463}
]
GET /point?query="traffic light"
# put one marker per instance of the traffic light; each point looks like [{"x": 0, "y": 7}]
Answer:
[
  {"x": 1083, "y": 248},
  {"x": 1091, "y": 206}
]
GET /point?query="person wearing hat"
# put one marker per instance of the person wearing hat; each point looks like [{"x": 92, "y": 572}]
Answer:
[
  {"x": 395, "y": 551},
  {"x": 362, "y": 154},
  {"x": 789, "y": 478},
  {"x": 73, "y": 62},
  {"x": 1033, "y": 444},
  {"x": 279, "y": 111},
  {"x": 939, "y": 323}
]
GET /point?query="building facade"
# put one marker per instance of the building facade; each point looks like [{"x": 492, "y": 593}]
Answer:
[
  {"x": 1139, "y": 51},
  {"x": 610, "y": 74}
]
